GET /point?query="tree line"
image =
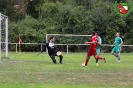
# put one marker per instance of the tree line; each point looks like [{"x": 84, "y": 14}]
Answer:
[{"x": 33, "y": 19}]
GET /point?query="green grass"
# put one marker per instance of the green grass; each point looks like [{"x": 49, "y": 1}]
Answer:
[{"x": 26, "y": 70}]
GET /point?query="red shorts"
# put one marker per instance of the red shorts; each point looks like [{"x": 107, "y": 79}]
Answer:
[{"x": 91, "y": 52}]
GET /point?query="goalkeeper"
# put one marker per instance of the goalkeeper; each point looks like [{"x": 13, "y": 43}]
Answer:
[{"x": 52, "y": 50}]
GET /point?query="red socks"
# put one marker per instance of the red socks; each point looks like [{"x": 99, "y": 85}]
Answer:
[{"x": 99, "y": 58}]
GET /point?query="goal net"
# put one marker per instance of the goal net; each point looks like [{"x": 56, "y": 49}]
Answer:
[
  {"x": 3, "y": 36},
  {"x": 70, "y": 42}
]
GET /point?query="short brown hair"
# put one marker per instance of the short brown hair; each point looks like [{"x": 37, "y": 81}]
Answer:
[{"x": 51, "y": 37}]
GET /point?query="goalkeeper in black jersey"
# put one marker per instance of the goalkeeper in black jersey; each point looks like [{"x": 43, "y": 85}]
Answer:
[{"x": 52, "y": 50}]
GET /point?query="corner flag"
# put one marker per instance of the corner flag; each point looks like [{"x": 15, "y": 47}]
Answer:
[{"x": 19, "y": 41}]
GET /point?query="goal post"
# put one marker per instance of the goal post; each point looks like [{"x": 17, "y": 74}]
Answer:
[
  {"x": 62, "y": 35},
  {"x": 3, "y": 34},
  {"x": 69, "y": 40}
]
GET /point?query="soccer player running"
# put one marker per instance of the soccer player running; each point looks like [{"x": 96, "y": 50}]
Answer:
[
  {"x": 98, "y": 48},
  {"x": 117, "y": 45},
  {"x": 92, "y": 50},
  {"x": 52, "y": 50}
]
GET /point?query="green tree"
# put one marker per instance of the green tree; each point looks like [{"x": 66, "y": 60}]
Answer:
[{"x": 33, "y": 7}]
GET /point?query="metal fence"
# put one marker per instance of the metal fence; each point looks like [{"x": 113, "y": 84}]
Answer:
[{"x": 105, "y": 48}]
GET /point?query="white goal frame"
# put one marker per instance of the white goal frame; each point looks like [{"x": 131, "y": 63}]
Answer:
[
  {"x": 5, "y": 18},
  {"x": 65, "y": 35}
]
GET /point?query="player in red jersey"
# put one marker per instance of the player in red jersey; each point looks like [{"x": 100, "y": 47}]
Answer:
[{"x": 92, "y": 50}]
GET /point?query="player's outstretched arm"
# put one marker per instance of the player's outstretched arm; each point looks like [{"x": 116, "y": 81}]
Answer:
[
  {"x": 90, "y": 42},
  {"x": 44, "y": 48}
]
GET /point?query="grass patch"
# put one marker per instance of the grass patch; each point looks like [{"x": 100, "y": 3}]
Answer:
[{"x": 26, "y": 70}]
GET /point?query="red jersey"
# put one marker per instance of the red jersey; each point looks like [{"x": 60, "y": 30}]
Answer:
[
  {"x": 92, "y": 50},
  {"x": 93, "y": 39}
]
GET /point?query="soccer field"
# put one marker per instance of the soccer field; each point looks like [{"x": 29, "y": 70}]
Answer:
[{"x": 26, "y": 70}]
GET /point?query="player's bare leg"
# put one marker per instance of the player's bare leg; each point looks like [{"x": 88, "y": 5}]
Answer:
[
  {"x": 95, "y": 56},
  {"x": 86, "y": 62},
  {"x": 100, "y": 58},
  {"x": 117, "y": 56}
]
